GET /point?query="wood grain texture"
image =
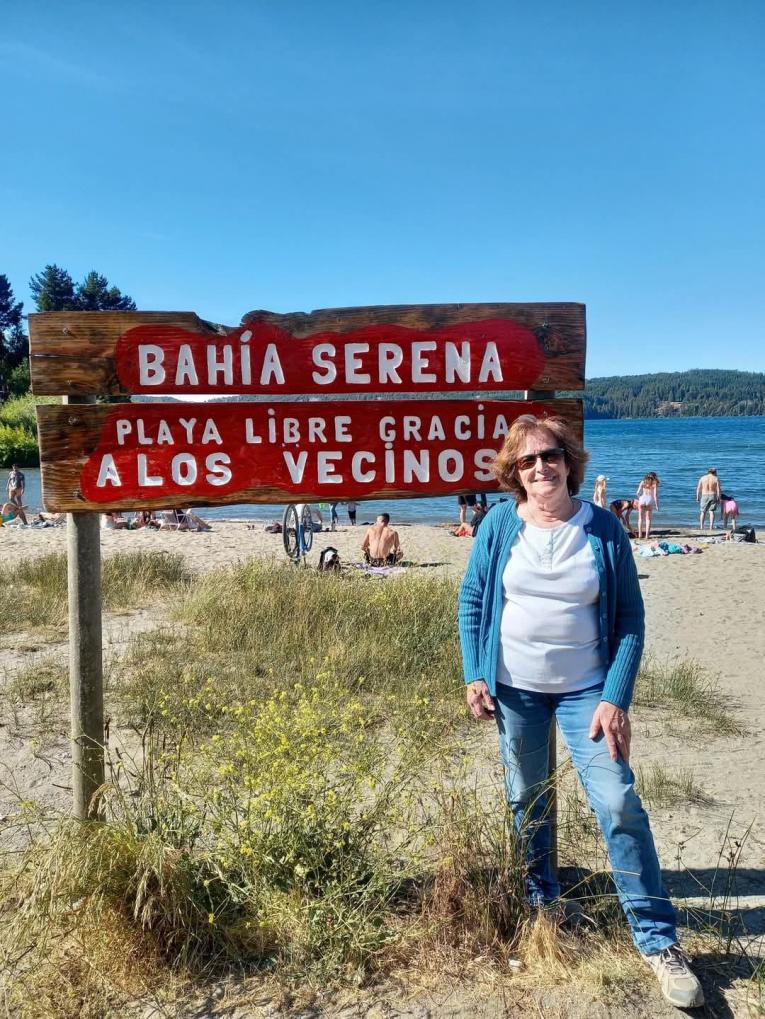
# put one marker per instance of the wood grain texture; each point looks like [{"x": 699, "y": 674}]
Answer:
[
  {"x": 75, "y": 439},
  {"x": 72, "y": 352},
  {"x": 75, "y": 352}
]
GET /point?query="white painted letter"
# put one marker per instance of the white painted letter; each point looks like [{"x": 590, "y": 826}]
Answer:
[
  {"x": 412, "y": 466},
  {"x": 490, "y": 364},
  {"x": 108, "y": 472},
  {"x": 183, "y": 468},
  {"x": 326, "y": 468},
  {"x": 150, "y": 370},
  {"x": 186, "y": 370},
  {"x": 296, "y": 467},
  {"x": 482, "y": 460},
  {"x": 144, "y": 478},
  {"x": 353, "y": 364},
  {"x": 356, "y": 472},
  {"x": 215, "y": 367},
  {"x": 389, "y": 357},
  {"x": 420, "y": 362},
  {"x": 211, "y": 434},
  {"x": 123, "y": 427},
  {"x": 271, "y": 366},
  {"x": 322, "y": 357},
  {"x": 457, "y": 364},
  {"x": 445, "y": 472},
  {"x": 219, "y": 472}
]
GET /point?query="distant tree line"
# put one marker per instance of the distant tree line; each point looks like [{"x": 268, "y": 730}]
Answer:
[{"x": 697, "y": 393}]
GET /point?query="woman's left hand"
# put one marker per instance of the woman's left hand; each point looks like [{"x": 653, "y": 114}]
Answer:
[{"x": 615, "y": 725}]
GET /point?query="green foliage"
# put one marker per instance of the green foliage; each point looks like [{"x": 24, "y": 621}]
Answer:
[
  {"x": 19, "y": 379},
  {"x": 700, "y": 393},
  {"x": 14, "y": 346},
  {"x": 18, "y": 446},
  {"x": 18, "y": 416},
  {"x": 95, "y": 294},
  {"x": 54, "y": 290}
]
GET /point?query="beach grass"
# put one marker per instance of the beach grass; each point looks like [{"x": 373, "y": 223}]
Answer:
[
  {"x": 301, "y": 799},
  {"x": 659, "y": 786},
  {"x": 690, "y": 692},
  {"x": 39, "y": 586}
]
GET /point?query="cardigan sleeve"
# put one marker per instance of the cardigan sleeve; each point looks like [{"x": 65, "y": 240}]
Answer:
[
  {"x": 471, "y": 598},
  {"x": 629, "y": 628}
]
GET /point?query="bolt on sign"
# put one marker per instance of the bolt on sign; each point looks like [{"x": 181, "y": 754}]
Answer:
[{"x": 376, "y": 415}]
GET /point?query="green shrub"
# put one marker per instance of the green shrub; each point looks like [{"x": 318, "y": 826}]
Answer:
[{"x": 18, "y": 446}]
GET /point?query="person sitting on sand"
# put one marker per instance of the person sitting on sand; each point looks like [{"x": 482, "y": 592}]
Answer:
[
  {"x": 11, "y": 511},
  {"x": 114, "y": 522},
  {"x": 648, "y": 501},
  {"x": 708, "y": 496},
  {"x": 463, "y": 530},
  {"x": 381, "y": 545}
]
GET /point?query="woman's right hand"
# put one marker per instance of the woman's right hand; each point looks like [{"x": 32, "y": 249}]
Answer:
[{"x": 480, "y": 701}]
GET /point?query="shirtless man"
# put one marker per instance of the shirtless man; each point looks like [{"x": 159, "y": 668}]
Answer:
[
  {"x": 381, "y": 546},
  {"x": 708, "y": 496}
]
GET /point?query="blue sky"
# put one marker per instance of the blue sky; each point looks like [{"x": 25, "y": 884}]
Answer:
[{"x": 290, "y": 156}]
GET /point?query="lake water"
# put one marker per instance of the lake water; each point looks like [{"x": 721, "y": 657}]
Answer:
[{"x": 678, "y": 449}]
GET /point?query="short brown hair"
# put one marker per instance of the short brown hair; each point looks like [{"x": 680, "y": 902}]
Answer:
[{"x": 504, "y": 467}]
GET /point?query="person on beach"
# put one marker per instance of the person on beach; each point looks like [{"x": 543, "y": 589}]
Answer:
[
  {"x": 551, "y": 624},
  {"x": 351, "y": 508},
  {"x": 622, "y": 510},
  {"x": 333, "y": 517},
  {"x": 381, "y": 545},
  {"x": 600, "y": 494},
  {"x": 15, "y": 485},
  {"x": 647, "y": 501},
  {"x": 729, "y": 510},
  {"x": 708, "y": 496},
  {"x": 10, "y": 511}
]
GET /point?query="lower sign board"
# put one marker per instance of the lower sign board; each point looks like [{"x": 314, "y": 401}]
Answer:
[{"x": 163, "y": 455}]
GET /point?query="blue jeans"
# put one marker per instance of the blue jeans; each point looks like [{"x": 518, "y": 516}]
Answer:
[{"x": 523, "y": 718}]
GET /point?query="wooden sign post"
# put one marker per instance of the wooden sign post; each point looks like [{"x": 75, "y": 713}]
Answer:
[{"x": 357, "y": 403}]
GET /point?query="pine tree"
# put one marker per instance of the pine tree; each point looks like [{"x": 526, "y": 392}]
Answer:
[
  {"x": 95, "y": 294},
  {"x": 14, "y": 346},
  {"x": 53, "y": 290}
]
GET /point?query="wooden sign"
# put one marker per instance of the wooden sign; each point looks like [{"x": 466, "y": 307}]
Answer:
[
  {"x": 450, "y": 348},
  {"x": 162, "y": 455}
]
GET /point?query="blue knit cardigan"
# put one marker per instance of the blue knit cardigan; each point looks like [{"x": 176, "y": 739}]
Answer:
[{"x": 620, "y": 607}]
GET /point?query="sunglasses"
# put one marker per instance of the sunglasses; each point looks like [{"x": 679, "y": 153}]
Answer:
[{"x": 547, "y": 456}]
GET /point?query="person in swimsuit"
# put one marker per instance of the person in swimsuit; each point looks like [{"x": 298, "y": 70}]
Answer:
[
  {"x": 648, "y": 501},
  {"x": 729, "y": 509},
  {"x": 600, "y": 496},
  {"x": 708, "y": 496}
]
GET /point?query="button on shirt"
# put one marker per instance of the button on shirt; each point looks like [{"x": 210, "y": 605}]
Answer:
[{"x": 550, "y": 635}]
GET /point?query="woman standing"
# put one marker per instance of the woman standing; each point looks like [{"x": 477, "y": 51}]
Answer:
[
  {"x": 551, "y": 625},
  {"x": 600, "y": 495},
  {"x": 648, "y": 501}
]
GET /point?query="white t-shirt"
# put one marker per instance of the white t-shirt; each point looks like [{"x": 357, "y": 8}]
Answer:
[{"x": 550, "y": 637}]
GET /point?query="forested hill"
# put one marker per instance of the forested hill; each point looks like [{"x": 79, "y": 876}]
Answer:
[{"x": 699, "y": 393}]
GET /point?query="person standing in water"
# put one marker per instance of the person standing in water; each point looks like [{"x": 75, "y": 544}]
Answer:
[
  {"x": 708, "y": 496},
  {"x": 600, "y": 495}
]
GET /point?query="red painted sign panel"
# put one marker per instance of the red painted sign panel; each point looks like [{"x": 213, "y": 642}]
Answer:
[
  {"x": 205, "y": 453},
  {"x": 490, "y": 355}
]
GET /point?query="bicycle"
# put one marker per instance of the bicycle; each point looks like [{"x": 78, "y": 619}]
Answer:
[{"x": 297, "y": 530}]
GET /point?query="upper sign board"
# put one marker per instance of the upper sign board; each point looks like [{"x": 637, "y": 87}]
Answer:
[{"x": 449, "y": 348}]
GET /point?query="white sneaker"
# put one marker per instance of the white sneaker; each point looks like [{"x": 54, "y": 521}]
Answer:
[{"x": 679, "y": 984}]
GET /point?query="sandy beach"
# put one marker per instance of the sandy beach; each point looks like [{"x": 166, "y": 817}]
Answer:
[{"x": 707, "y": 607}]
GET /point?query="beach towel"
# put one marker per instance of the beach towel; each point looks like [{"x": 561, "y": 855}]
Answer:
[{"x": 379, "y": 571}]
